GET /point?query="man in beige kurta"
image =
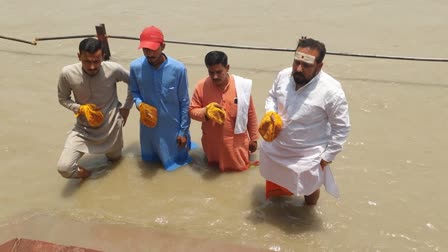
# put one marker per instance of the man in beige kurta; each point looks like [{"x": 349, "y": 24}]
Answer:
[
  {"x": 227, "y": 143},
  {"x": 92, "y": 81}
]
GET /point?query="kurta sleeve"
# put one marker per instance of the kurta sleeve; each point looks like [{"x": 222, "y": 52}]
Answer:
[
  {"x": 338, "y": 117},
  {"x": 123, "y": 75},
  {"x": 197, "y": 110},
  {"x": 184, "y": 103},
  {"x": 133, "y": 81},
  {"x": 64, "y": 93},
  {"x": 252, "y": 123}
]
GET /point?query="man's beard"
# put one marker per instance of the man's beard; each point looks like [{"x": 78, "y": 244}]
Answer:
[{"x": 300, "y": 79}]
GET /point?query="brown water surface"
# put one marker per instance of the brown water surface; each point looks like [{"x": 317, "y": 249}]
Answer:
[{"x": 391, "y": 173}]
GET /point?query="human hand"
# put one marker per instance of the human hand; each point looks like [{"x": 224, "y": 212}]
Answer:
[
  {"x": 215, "y": 112},
  {"x": 148, "y": 115},
  {"x": 181, "y": 141},
  {"x": 124, "y": 112},
  {"x": 270, "y": 126},
  {"x": 253, "y": 146},
  {"x": 324, "y": 163}
]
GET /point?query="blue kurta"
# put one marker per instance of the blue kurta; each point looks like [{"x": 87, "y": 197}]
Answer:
[{"x": 165, "y": 88}]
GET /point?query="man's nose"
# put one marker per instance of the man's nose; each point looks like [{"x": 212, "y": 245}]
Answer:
[
  {"x": 299, "y": 68},
  {"x": 148, "y": 52}
]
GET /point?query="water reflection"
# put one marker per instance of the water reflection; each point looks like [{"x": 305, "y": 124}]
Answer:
[{"x": 286, "y": 213}]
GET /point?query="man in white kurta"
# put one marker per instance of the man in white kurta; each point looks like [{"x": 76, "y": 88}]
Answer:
[
  {"x": 314, "y": 112},
  {"x": 92, "y": 81}
]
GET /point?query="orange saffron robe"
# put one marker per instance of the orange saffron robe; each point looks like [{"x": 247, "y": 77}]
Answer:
[{"x": 219, "y": 142}]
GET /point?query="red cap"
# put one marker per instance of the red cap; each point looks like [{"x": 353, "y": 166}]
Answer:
[{"x": 151, "y": 37}]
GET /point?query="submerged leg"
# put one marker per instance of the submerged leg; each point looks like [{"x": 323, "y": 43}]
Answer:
[
  {"x": 114, "y": 155},
  {"x": 312, "y": 198},
  {"x": 68, "y": 164}
]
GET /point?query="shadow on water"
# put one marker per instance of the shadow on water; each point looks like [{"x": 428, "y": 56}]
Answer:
[
  {"x": 100, "y": 167},
  {"x": 149, "y": 169},
  {"x": 201, "y": 166},
  {"x": 286, "y": 213}
]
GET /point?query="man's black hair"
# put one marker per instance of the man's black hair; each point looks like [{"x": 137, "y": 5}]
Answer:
[
  {"x": 313, "y": 44},
  {"x": 90, "y": 45},
  {"x": 215, "y": 57}
]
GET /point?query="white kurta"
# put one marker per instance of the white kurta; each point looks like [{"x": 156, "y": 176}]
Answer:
[
  {"x": 100, "y": 90},
  {"x": 315, "y": 125}
]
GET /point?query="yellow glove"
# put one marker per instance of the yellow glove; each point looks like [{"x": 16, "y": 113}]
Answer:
[
  {"x": 215, "y": 112},
  {"x": 148, "y": 115},
  {"x": 93, "y": 114},
  {"x": 270, "y": 126}
]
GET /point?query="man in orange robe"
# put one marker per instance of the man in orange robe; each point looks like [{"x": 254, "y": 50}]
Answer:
[{"x": 224, "y": 105}]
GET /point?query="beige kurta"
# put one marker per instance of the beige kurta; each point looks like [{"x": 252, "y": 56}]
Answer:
[{"x": 101, "y": 90}]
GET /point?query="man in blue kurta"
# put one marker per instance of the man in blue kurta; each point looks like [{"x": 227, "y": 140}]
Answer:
[{"x": 159, "y": 86}]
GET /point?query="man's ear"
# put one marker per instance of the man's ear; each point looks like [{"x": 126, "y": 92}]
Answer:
[
  {"x": 162, "y": 46},
  {"x": 79, "y": 56},
  {"x": 319, "y": 66}
]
